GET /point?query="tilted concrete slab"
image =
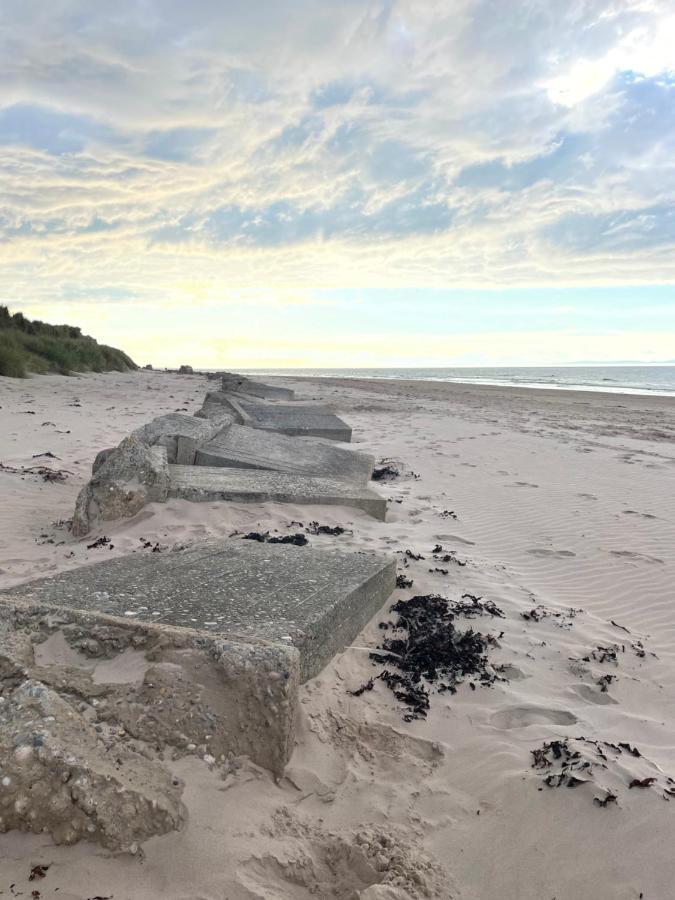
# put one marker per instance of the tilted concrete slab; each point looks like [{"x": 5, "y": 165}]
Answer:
[
  {"x": 301, "y": 418},
  {"x": 316, "y": 600},
  {"x": 243, "y": 385},
  {"x": 241, "y": 447},
  {"x": 208, "y": 483}
]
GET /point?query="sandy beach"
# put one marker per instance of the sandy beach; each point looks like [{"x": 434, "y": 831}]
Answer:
[{"x": 556, "y": 506}]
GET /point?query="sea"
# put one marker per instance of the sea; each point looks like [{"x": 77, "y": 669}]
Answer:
[{"x": 615, "y": 379}]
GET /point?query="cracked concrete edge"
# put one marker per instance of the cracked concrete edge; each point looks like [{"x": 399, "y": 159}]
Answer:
[{"x": 246, "y": 689}]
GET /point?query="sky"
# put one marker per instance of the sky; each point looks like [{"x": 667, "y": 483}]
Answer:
[{"x": 343, "y": 182}]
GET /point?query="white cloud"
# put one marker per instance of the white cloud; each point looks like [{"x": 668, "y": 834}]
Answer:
[{"x": 166, "y": 153}]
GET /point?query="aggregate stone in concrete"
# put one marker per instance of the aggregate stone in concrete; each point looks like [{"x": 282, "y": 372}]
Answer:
[
  {"x": 314, "y": 600},
  {"x": 299, "y": 418},
  {"x": 179, "y": 433},
  {"x": 241, "y": 447},
  {"x": 60, "y": 775},
  {"x": 243, "y": 385},
  {"x": 210, "y": 483}
]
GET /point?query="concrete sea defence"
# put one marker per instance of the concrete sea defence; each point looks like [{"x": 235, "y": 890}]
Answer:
[{"x": 110, "y": 671}]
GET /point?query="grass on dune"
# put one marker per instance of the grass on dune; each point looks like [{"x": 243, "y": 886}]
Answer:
[{"x": 33, "y": 346}]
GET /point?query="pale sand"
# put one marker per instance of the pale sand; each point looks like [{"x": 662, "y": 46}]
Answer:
[{"x": 563, "y": 499}]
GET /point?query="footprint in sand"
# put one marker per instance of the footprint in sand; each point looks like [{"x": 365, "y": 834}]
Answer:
[
  {"x": 525, "y": 484},
  {"x": 556, "y": 554},
  {"x": 634, "y": 512},
  {"x": 638, "y": 557},
  {"x": 592, "y": 694},
  {"x": 522, "y": 716}
]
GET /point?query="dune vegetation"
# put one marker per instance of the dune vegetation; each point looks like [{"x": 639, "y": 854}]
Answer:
[{"x": 32, "y": 346}]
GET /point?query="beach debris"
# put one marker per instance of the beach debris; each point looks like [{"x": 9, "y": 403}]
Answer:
[
  {"x": 102, "y": 541},
  {"x": 564, "y": 618},
  {"x": 263, "y": 537},
  {"x": 57, "y": 476},
  {"x": 570, "y": 762},
  {"x": 39, "y": 871},
  {"x": 333, "y": 530},
  {"x": 470, "y": 606},
  {"x": 47, "y": 455},
  {"x": 403, "y": 582},
  {"x": 604, "y": 682},
  {"x": 446, "y": 556},
  {"x": 384, "y": 473},
  {"x": 410, "y": 554},
  {"x": 448, "y": 514},
  {"x": 425, "y": 649}
]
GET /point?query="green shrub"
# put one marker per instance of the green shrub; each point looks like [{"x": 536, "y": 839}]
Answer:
[
  {"x": 34, "y": 346},
  {"x": 12, "y": 361}
]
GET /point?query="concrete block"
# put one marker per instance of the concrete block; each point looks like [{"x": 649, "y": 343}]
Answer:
[
  {"x": 314, "y": 600},
  {"x": 179, "y": 433},
  {"x": 209, "y": 483},
  {"x": 170, "y": 687},
  {"x": 241, "y": 447},
  {"x": 300, "y": 418},
  {"x": 244, "y": 385}
]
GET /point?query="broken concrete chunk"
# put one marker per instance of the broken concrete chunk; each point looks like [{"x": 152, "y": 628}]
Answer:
[
  {"x": 179, "y": 433},
  {"x": 130, "y": 476},
  {"x": 241, "y": 447},
  {"x": 60, "y": 777}
]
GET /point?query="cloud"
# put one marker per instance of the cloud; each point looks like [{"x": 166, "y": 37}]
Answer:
[{"x": 362, "y": 144}]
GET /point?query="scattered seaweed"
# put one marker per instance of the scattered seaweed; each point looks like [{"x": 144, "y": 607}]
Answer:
[
  {"x": 103, "y": 541},
  {"x": 426, "y": 648},
  {"x": 564, "y": 619},
  {"x": 49, "y": 475},
  {"x": 570, "y": 762},
  {"x": 263, "y": 537},
  {"x": 333, "y": 530},
  {"x": 403, "y": 582}
]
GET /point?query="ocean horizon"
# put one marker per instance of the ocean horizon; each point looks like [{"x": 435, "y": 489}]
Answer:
[{"x": 644, "y": 379}]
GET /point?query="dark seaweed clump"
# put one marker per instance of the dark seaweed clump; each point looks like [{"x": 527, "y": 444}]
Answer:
[
  {"x": 385, "y": 473},
  {"x": 263, "y": 537},
  {"x": 425, "y": 648}
]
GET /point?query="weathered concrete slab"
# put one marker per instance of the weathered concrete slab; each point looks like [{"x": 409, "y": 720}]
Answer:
[
  {"x": 300, "y": 418},
  {"x": 208, "y": 483},
  {"x": 243, "y": 385},
  {"x": 241, "y": 447},
  {"x": 314, "y": 600},
  {"x": 168, "y": 687},
  {"x": 179, "y": 433}
]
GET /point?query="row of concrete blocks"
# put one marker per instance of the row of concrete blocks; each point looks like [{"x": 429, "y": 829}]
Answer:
[
  {"x": 210, "y": 456},
  {"x": 106, "y": 669}
]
